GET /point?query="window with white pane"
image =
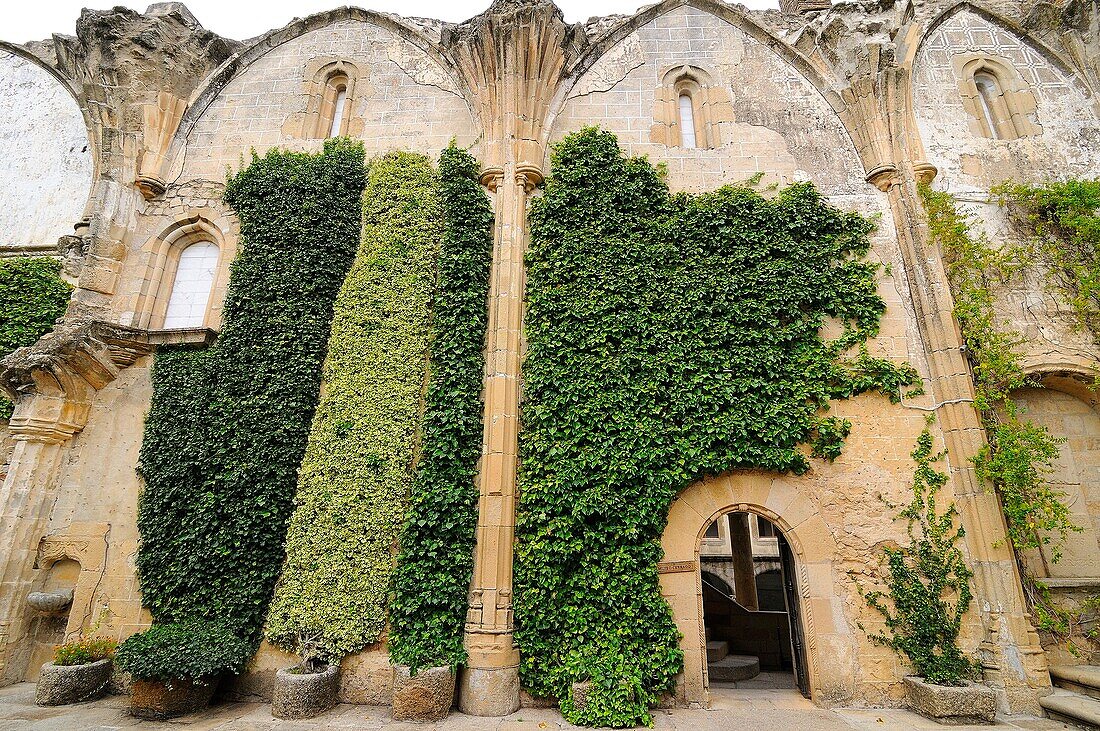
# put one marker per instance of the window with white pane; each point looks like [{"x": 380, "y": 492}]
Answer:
[{"x": 195, "y": 274}]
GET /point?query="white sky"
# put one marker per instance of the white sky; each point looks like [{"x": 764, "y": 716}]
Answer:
[{"x": 23, "y": 20}]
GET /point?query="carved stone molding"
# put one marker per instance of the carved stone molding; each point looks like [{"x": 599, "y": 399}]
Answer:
[{"x": 160, "y": 122}]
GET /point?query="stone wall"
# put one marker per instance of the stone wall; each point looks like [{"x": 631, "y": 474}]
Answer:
[{"x": 46, "y": 160}]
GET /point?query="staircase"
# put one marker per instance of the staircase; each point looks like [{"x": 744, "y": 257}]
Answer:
[
  {"x": 1076, "y": 698},
  {"x": 723, "y": 667}
]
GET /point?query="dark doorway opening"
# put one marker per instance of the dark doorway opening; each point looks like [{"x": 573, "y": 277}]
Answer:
[{"x": 750, "y": 605}]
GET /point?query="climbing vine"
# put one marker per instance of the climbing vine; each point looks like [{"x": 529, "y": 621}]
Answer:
[
  {"x": 32, "y": 296},
  {"x": 669, "y": 337},
  {"x": 1019, "y": 454},
  {"x": 227, "y": 428},
  {"x": 358, "y": 467},
  {"x": 928, "y": 587},
  {"x": 1064, "y": 218},
  {"x": 435, "y": 566}
]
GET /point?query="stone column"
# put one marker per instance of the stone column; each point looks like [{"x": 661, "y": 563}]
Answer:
[
  {"x": 490, "y": 682},
  {"x": 744, "y": 572},
  {"x": 53, "y": 384}
]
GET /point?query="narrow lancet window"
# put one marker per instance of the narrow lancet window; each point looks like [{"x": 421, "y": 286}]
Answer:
[
  {"x": 338, "y": 112},
  {"x": 988, "y": 93},
  {"x": 687, "y": 122}
]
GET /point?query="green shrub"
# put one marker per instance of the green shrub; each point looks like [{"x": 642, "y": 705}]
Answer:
[
  {"x": 227, "y": 427},
  {"x": 32, "y": 297},
  {"x": 668, "y": 337},
  {"x": 83, "y": 651},
  {"x": 358, "y": 467},
  {"x": 190, "y": 650},
  {"x": 435, "y": 566},
  {"x": 929, "y": 583}
]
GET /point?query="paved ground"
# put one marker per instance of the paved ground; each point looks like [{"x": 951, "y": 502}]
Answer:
[{"x": 734, "y": 708}]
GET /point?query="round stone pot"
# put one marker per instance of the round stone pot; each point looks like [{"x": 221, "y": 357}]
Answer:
[
  {"x": 156, "y": 700},
  {"x": 59, "y": 685},
  {"x": 304, "y": 695},
  {"x": 427, "y": 696}
]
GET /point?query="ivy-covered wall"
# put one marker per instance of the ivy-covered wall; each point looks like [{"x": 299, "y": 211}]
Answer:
[
  {"x": 435, "y": 566},
  {"x": 669, "y": 337},
  {"x": 227, "y": 427},
  {"x": 355, "y": 479},
  {"x": 32, "y": 297}
]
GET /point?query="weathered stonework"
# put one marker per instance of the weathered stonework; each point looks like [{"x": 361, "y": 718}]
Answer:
[{"x": 865, "y": 99}]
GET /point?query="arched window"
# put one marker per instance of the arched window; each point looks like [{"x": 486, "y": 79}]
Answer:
[
  {"x": 687, "y": 121},
  {"x": 195, "y": 273},
  {"x": 999, "y": 101},
  {"x": 989, "y": 93},
  {"x": 338, "y": 112},
  {"x": 334, "y": 106},
  {"x": 689, "y": 107}
]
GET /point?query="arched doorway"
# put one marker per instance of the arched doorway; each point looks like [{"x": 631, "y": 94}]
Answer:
[
  {"x": 812, "y": 555},
  {"x": 751, "y": 609}
]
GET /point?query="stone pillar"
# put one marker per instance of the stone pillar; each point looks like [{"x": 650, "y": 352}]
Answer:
[
  {"x": 744, "y": 571},
  {"x": 53, "y": 384},
  {"x": 490, "y": 682},
  {"x": 1012, "y": 657}
]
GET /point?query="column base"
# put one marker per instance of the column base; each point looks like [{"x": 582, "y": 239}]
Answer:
[{"x": 489, "y": 691}]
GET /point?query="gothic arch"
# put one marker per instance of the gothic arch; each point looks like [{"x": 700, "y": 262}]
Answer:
[
  {"x": 236, "y": 64},
  {"x": 776, "y": 498},
  {"x": 991, "y": 16},
  {"x": 51, "y": 197}
]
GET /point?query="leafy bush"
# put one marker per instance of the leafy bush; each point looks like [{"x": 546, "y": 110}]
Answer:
[
  {"x": 435, "y": 566},
  {"x": 32, "y": 297},
  {"x": 227, "y": 428},
  {"x": 358, "y": 467},
  {"x": 669, "y": 337},
  {"x": 83, "y": 651},
  {"x": 190, "y": 650},
  {"x": 929, "y": 583}
]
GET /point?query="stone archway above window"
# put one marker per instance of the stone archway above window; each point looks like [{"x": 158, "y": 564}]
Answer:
[
  {"x": 999, "y": 102},
  {"x": 331, "y": 88},
  {"x": 690, "y": 108}
]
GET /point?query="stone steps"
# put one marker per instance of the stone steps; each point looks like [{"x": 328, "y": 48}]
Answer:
[
  {"x": 1083, "y": 679},
  {"x": 1074, "y": 708},
  {"x": 717, "y": 650},
  {"x": 733, "y": 668}
]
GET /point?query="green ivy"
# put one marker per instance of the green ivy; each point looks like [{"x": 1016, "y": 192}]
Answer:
[
  {"x": 435, "y": 566},
  {"x": 1065, "y": 220},
  {"x": 669, "y": 337},
  {"x": 1019, "y": 454},
  {"x": 929, "y": 583},
  {"x": 32, "y": 297},
  {"x": 227, "y": 427},
  {"x": 358, "y": 469}
]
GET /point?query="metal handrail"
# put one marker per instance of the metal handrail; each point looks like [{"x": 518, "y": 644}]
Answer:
[{"x": 738, "y": 604}]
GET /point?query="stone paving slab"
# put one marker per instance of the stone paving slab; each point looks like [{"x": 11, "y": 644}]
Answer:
[{"x": 755, "y": 710}]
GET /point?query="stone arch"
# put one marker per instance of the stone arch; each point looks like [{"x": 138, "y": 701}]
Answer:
[
  {"x": 161, "y": 256},
  {"x": 407, "y": 93},
  {"x": 1052, "y": 106},
  {"x": 1066, "y": 403},
  {"x": 59, "y": 182},
  {"x": 805, "y": 138},
  {"x": 776, "y": 498}
]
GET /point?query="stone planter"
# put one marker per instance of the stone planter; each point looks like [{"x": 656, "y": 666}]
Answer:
[
  {"x": 427, "y": 697},
  {"x": 59, "y": 685},
  {"x": 304, "y": 695},
  {"x": 157, "y": 700},
  {"x": 951, "y": 705}
]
